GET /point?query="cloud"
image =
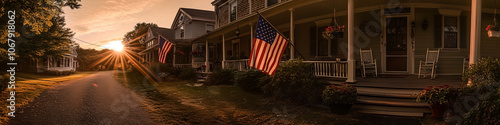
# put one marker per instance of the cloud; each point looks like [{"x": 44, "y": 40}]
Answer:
[{"x": 102, "y": 16}]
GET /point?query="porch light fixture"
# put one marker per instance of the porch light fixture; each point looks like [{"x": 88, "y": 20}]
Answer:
[
  {"x": 237, "y": 32},
  {"x": 425, "y": 24}
]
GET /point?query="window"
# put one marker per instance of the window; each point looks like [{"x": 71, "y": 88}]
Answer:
[
  {"x": 272, "y": 2},
  {"x": 322, "y": 42},
  {"x": 236, "y": 48},
  {"x": 182, "y": 32},
  {"x": 450, "y": 32},
  {"x": 232, "y": 10},
  {"x": 209, "y": 27}
]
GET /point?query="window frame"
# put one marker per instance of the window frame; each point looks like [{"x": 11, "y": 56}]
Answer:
[
  {"x": 182, "y": 33},
  {"x": 443, "y": 17},
  {"x": 267, "y": 1},
  {"x": 235, "y": 9}
]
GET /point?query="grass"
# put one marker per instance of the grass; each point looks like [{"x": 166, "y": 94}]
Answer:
[
  {"x": 29, "y": 86},
  {"x": 180, "y": 102}
]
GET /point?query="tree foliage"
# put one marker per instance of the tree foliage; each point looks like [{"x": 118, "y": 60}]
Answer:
[
  {"x": 36, "y": 20},
  {"x": 139, "y": 29}
]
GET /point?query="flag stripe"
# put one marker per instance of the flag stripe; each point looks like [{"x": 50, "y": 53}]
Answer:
[
  {"x": 267, "y": 49},
  {"x": 164, "y": 47}
]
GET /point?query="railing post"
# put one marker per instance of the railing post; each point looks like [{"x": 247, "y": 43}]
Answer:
[
  {"x": 207, "y": 63},
  {"x": 223, "y": 51}
]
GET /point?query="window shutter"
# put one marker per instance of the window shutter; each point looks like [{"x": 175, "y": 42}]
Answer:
[
  {"x": 312, "y": 43},
  {"x": 438, "y": 32},
  {"x": 463, "y": 32},
  {"x": 334, "y": 46}
]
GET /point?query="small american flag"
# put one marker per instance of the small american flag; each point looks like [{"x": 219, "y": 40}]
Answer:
[
  {"x": 164, "y": 47},
  {"x": 268, "y": 47}
]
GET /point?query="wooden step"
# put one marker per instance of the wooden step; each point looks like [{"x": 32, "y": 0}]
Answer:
[
  {"x": 389, "y": 110},
  {"x": 391, "y": 102},
  {"x": 384, "y": 92}
]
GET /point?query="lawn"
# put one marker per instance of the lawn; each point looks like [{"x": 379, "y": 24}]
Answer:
[
  {"x": 30, "y": 85},
  {"x": 182, "y": 102}
]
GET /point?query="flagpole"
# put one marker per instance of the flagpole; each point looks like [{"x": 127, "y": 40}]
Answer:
[{"x": 282, "y": 35}]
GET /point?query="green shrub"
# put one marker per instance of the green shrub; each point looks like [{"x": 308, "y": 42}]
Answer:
[
  {"x": 486, "y": 112},
  {"x": 221, "y": 77},
  {"x": 5, "y": 81},
  {"x": 484, "y": 73},
  {"x": 249, "y": 80},
  {"x": 186, "y": 74},
  {"x": 295, "y": 81},
  {"x": 344, "y": 94}
]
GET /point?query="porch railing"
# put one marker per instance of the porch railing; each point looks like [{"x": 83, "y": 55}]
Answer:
[
  {"x": 333, "y": 69},
  {"x": 241, "y": 65},
  {"x": 182, "y": 65}
]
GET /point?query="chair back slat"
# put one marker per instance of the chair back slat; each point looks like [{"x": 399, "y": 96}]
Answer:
[
  {"x": 366, "y": 55},
  {"x": 432, "y": 56}
]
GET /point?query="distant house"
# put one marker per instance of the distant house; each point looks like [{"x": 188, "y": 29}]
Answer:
[
  {"x": 67, "y": 63},
  {"x": 188, "y": 24}
]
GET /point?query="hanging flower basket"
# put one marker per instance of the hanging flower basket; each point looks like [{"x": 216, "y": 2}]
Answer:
[
  {"x": 493, "y": 31},
  {"x": 332, "y": 32}
]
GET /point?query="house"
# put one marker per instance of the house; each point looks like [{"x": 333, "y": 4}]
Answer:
[
  {"x": 188, "y": 24},
  {"x": 68, "y": 62},
  {"x": 398, "y": 32}
]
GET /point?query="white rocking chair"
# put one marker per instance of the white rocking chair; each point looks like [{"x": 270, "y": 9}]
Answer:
[
  {"x": 367, "y": 62},
  {"x": 429, "y": 66}
]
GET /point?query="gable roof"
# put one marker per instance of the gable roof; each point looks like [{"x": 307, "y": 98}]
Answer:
[
  {"x": 195, "y": 14},
  {"x": 165, "y": 32}
]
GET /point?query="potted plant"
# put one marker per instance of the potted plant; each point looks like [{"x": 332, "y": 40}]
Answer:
[
  {"x": 438, "y": 97},
  {"x": 335, "y": 31},
  {"x": 493, "y": 30},
  {"x": 340, "y": 98}
]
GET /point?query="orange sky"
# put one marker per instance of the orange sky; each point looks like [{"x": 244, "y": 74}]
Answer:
[{"x": 101, "y": 21}]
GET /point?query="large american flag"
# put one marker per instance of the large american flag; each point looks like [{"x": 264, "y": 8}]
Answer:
[
  {"x": 164, "y": 47},
  {"x": 267, "y": 49}
]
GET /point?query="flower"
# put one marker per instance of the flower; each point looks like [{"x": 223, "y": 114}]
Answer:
[
  {"x": 343, "y": 94},
  {"x": 437, "y": 95},
  {"x": 493, "y": 27}
]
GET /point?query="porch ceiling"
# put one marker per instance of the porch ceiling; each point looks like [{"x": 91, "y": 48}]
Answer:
[{"x": 304, "y": 9}]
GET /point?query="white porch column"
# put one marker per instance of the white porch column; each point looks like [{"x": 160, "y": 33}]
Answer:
[
  {"x": 292, "y": 34},
  {"x": 207, "y": 63},
  {"x": 351, "y": 61},
  {"x": 475, "y": 31},
  {"x": 173, "y": 60},
  {"x": 223, "y": 51}
]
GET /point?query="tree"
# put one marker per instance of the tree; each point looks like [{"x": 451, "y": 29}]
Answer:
[
  {"x": 139, "y": 29},
  {"x": 34, "y": 17}
]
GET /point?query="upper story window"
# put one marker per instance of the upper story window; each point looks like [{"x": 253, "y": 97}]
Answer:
[
  {"x": 272, "y": 2},
  {"x": 233, "y": 10},
  {"x": 182, "y": 32},
  {"x": 450, "y": 32},
  {"x": 209, "y": 27}
]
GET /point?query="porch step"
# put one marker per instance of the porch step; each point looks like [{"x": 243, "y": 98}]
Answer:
[
  {"x": 389, "y": 110},
  {"x": 384, "y": 92},
  {"x": 201, "y": 77},
  {"x": 396, "y": 102}
]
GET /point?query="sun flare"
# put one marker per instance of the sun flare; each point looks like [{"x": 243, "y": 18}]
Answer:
[{"x": 114, "y": 45}]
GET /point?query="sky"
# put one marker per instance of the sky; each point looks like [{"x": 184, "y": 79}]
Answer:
[{"x": 103, "y": 21}]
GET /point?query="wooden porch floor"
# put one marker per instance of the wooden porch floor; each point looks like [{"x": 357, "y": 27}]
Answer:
[{"x": 409, "y": 82}]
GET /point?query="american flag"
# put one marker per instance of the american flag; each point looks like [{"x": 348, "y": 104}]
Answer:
[
  {"x": 164, "y": 47},
  {"x": 268, "y": 47}
]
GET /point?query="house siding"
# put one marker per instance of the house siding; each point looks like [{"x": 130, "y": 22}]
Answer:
[
  {"x": 243, "y": 8},
  {"x": 257, "y": 5},
  {"x": 223, "y": 15}
]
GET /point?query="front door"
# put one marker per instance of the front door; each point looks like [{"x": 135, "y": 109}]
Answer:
[{"x": 396, "y": 46}]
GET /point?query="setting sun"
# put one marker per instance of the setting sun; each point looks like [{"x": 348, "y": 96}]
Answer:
[{"x": 114, "y": 45}]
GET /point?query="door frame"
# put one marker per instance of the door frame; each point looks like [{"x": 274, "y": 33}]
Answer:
[{"x": 409, "y": 50}]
